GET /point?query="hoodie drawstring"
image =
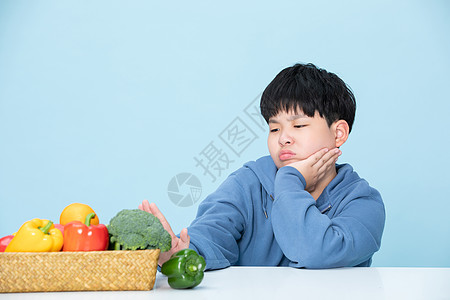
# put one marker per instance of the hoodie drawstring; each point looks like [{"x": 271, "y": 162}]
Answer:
[{"x": 264, "y": 201}]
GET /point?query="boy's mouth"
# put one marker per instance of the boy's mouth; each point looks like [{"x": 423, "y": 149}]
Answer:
[{"x": 285, "y": 155}]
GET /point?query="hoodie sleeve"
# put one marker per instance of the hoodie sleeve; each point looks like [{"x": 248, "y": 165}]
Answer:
[
  {"x": 313, "y": 240},
  {"x": 219, "y": 224}
]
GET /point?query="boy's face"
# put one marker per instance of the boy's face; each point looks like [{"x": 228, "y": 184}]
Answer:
[{"x": 294, "y": 136}]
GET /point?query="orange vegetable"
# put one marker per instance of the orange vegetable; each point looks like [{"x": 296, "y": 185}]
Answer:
[{"x": 77, "y": 212}]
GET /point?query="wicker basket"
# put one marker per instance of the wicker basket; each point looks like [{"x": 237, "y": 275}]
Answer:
[{"x": 78, "y": 271}]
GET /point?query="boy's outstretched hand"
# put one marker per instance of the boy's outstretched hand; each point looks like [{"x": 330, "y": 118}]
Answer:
[
  {"x": 316, "y": 166},
  {"x": 177, "y": 243}
]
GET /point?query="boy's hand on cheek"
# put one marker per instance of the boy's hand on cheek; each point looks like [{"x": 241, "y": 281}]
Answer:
[{"x": 315, "y": 167}]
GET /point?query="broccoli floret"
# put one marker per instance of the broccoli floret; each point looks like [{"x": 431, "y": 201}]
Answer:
[{"x": 133, "y": 229}]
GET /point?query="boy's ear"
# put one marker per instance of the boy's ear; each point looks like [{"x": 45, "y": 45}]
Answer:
[{"x": 341, "y": 132}]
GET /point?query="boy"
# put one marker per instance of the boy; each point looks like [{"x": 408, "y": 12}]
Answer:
[{"x": 296, "y": 207}]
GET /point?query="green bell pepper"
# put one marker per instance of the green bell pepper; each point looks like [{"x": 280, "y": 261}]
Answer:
[{"x": 184, "y": 269}]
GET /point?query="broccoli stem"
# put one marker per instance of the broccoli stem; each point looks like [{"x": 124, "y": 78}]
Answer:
[{"x": 116, "y": 246}]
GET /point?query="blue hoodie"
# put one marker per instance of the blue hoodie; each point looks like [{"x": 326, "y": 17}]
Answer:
[{"x": 261, "y": 216}]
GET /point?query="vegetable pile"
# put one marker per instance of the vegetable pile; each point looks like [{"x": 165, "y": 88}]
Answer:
[
  {"x": 129, "y": 229},
  {"x": 80, "y": 230}
]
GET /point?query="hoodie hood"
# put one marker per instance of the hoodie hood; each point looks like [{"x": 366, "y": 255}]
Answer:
[
  {"x": 342, "y": 185},
  {"x": 265, "y": 170}
]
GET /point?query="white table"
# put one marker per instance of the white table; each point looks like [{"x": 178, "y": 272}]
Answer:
[{"x": 281, "y": 282}]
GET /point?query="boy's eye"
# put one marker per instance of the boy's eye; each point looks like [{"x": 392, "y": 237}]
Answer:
[
  {"x": 274, "y": 130},
  {"x": 299, "y": 126}
]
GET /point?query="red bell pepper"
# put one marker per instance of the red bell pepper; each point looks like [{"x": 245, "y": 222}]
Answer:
[
  {"x": 85, "y": 237},
  {"x": 4, "y": 242}
]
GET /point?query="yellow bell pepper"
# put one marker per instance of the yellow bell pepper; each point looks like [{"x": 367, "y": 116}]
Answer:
[{"x": 36, "y": 236}]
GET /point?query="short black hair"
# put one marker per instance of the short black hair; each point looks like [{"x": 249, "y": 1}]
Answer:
[{"x": 310, "y": 89}]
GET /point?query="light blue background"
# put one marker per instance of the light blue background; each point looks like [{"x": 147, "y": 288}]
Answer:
[{"x": 103, "y": 102}]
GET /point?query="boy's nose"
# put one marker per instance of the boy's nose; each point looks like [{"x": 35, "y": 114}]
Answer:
[{"x": 285, "y": 139}]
